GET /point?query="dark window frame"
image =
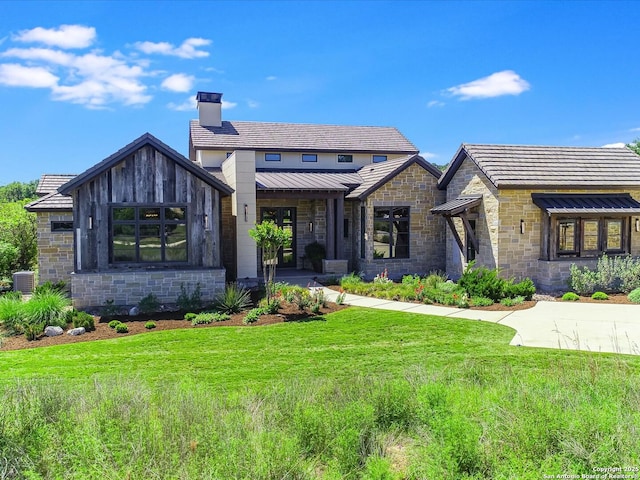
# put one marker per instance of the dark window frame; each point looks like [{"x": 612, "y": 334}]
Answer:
[
  {"x": 392, "y": 220},
  {"x": 379, "y": 158},
  {"x": 277, "y": 157},
  {"x": 342, "y": 158},
  {"x": 310, "y": 157},
  {"x": 61, "y": 226},
  {"x": 580, "y": 250},
  {"x": 162, "y": 222}
]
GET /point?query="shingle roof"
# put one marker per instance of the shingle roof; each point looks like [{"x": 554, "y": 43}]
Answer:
[
  {"x": 305, "y": 180},
  {"x": 50, "y": 182},
  {"x": 300, "y": 137},
  {"x": 601, "y": 203},
  {"x": 376, "y": 174},
  {"x": 458, "y": 205},
  {"x": 520, "y": 166},
  {"x": 50, "y": 202}
]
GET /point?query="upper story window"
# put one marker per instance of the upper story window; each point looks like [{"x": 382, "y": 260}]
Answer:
[
  {"x": 62, "y": 226},
  {"x": 148, "y": 234},
  {"x": 309, "y": 157},
  {"x": 272, "y": 157},
  {"x": 345, "y": 158},
  {"x": 379, "y": 158}
]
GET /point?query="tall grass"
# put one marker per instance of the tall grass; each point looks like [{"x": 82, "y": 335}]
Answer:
[
  {"x": 47, "y": 308},
  {"x": 486, "y": 423}
]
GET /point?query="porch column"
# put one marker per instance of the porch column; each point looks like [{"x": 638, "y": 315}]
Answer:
[
  {"x": 331, "y": 229},
  {"x": 340, "y": 227}
]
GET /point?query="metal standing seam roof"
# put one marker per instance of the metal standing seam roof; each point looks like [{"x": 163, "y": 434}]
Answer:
[
  {"x": 458, "y": 205},
  {"x": 301, "y": 180},
  {"x": 49, "y": 182},
  {"x": 586, "y": 203},
  {"x": 300, "y": 137},
  {"x": 520, "y": 166}
]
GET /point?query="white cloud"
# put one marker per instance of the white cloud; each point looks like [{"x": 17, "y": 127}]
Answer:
[
  {"x": 228, "y": 105},
  {"x": 178, "y": 82},
  {"x": 635, "y": 129},
  {"x": 271, "y": 78},
  {"x": 191, "y": 104},
  {"x": 14, "y": 75},
  {"x": 65, "y": 36},
  {"x": 435, "y": 103},
  {"x": 497, "y": 84},
  {"x": 188, "y": 48},
  {"x": 428, "y": 155},
  {"x": 614, "y": 145}
]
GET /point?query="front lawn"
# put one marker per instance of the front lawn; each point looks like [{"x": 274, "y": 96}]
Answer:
[{"x": 359, "y": 394}]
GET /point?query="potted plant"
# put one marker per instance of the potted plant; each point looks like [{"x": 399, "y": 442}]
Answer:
[{"x": 315, "y": 253}]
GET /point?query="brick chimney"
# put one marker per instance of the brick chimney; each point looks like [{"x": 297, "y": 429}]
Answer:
[{"x": 209, "y": 109}]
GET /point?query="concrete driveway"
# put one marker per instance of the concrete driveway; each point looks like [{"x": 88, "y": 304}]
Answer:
[{"x": 562, "y": 325}]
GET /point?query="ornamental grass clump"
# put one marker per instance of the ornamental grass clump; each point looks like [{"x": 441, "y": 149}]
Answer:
[
  {"x": 47, "y": 308},
  {"x": 11, "y": 313},
  {"x": 234, "y": 299}
]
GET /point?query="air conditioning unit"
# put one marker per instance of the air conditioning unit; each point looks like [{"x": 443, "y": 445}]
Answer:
[{"x": 23, "y": 282}]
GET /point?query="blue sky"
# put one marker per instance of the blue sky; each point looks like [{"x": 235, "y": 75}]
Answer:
[{"x": 79, "y": 80}]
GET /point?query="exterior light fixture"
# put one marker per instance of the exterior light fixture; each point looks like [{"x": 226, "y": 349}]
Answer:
[
  {"x": 637, "y": 224},
  {"x": 246, "y": 212},
  {"x": 311, "y": 226},
  {"x": 522, "y": 227},
  {"x": 90, "y": 222},
  {"x": 206, "y": 221}
]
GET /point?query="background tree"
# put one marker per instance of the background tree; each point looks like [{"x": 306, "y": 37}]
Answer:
[
  {"x": 270, "y": 238},
  {"x": 18, "y": 191},
  {"x": 18, "y": 229},
  {"x": 635, "y": 145}
]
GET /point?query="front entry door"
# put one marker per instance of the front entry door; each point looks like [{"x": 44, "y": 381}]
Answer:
[{"x": 284, "y": 217}]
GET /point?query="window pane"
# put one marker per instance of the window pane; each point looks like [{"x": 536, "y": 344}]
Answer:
[
  {"x": 345, "y": 158},
  {"x": 381, "y": 233},
  {"x": 566, "y": 235},
  {"x": 590, "y": 235},
  {"x": 176, "y": 213},
  {"x": 309, "y": 157},
  {"x": 175, "y": 243},
  {"x": 124, "y": 243},
  {"x": 150, "y": 214},
  {"x": 272, "y": 157},
  {"x": 614, "y": 235},
  {"x": 124, "y": 214},
  {"x": 150, "y": 246},
  {"x": 62, "y": 226},
  {"x": 379, "y": 158}
]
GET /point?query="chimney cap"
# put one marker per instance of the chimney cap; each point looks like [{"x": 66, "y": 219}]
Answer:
[{"x": 209, "y": 97}]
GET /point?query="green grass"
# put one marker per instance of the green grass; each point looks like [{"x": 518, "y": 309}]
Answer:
[{"x": 359, "y": 394}]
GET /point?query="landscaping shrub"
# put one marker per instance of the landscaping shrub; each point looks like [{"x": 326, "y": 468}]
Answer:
[
  {"x": 634, "y": 296},
  {"x": 47, "y": 307},
  {"x": 11, "y": 313},
  {"x": 32, "y": 329},
  {"x": 272, "y": 306},
  {"x": 51, "y": 287},
  {"x": 234, "y": 299},
  {"x": 434, "y": 279},
  {"x": 411, "y": 280},
  {"x": 122, "y": 328},
  {"x": 570, "y": 297},
  {"x": 203, "y": 318},
  {"x": 481, "y": 301},
  {"x": 189, "y": 301},
  {"x": 482, "y": 282},
  {"x": 150, "y": 325},
  {"x": 149, "y": 304},
  {"x": 109, "y": 309},
  {"x": 510, "y": 302},
  {"x": 299, "y": 296},
  {"x": 315, "y": 253},
  {"x": 611, "y": 274},
  {"x": 221, "y": 317},
  {"x": 524, "y": 288},
  {"x": 190, "y": 316},
  {"x": 600, "y": 296},
  {"x": 382, "y": 278},
  {"x": 83, "y": 319},
  {"x": 114, "y": 323},
  {"x": 253, "y": 315},
  {"x": 348, "y": 282}
]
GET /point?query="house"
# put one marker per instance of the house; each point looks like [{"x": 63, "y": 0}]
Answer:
[
  {"x": 146, "y": 219},
  {"x": 533, "y": 211}
]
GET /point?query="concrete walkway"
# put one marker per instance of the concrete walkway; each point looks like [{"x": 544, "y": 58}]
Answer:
[{"x": 561, "y": 325}]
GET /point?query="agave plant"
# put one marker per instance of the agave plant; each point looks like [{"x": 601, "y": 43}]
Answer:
[{"x": 234, "y": 299}]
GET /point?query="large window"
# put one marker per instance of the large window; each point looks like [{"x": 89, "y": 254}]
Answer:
[
  {"x": 391, "y": 232},
  {"x": 145, "y": 234},
  {"x": 590, "y": 237}
]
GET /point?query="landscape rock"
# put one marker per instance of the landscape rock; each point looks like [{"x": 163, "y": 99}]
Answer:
[
  {"x": 76, "y": 331},
  {"x": 134, "y": 312},
  {"x": 52, "y": 331}
]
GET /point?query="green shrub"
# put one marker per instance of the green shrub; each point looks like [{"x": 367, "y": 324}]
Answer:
[
  {"x": 600, "y": 296},
  {"x": 252, "y": 315},
  {"x": 114, "y": 323},
  {"x": 109, "y": 309},
  {"x": 189, "y": 301},
  {"x": 570, "y": 297},
  {"x": 221, "y": 317},
  {"x": 510, "y": 302},
  {"x": 634, "y": 295},
  {"x": 150, "y": 325},
  {"x": 271, "y": 306},
  {"x": 481, "y": 301},
  {"x": 203, "y": 318},
  {"x": 350, "y": 281},
  {"x": 122, "y": 328},
  {"x": 149, "y": 304},
  {"x": 83, "y": 319},
  {"x": 434, "y": 279},
  {"x": 524, "y": 288},
  {"x": 32, "y": 330},
  {"x": 299, "y": 296},
  {"x": 611, "y": 274},
  {"x": 11, "y": 313},
  {"x": 411, "y": 280},
  {"x": 190, "y": 316},
  {"x": 51, "y": 287},
  {"x": 482, "y": 282},
  {"x": 234, "y": 299},
  {"x": 48, "y": 307}
]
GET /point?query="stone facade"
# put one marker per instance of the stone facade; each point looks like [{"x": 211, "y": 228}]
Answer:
[
  {"x": 55, "y": 249},
  {"x": 417, "y": 189},
  {"x": 129, "y": 287}
]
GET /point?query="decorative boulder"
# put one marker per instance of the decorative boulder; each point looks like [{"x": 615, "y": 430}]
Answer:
[
  {"x": 76, "y": 331},
  {"x": 51, "y": 331},
  {"x": 134, "y": 312}
]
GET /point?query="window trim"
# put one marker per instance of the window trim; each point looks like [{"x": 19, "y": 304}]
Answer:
[
  {"x": 278, "y": 155},
  {"x": 137, "y": 222},
  {"x": 312, "y": 157},
  {"x": 378, "y": 158},
  {"x": 406, "y": 220},
  {"x": 579, "y": 250},
  {"x": 56, "y": 226}
]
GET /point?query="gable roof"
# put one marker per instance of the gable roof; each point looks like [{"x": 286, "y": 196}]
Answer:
[
  {"x": 377, "y": 174},
  {"x": 522, "y": 166},
  {"x": 50, "y": 182},
  {"x": 299, "y": 137},
  {"x": 146, "y": 139},
  {"x": 53, "y": 201}
]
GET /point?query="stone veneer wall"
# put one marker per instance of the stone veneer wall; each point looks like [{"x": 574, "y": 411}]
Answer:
[
  {"x": 417, "y": 189},
  {"x": 55, "y": 249},
  {"x": 129, "y": 287},
  {"x": 228, "y": 238},
  {"x": 470, "y": 180}
]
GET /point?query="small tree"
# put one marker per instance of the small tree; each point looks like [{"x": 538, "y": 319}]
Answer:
[
  {"x": 270, "y": 239},
  {"x": 635, "y": 146}
]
